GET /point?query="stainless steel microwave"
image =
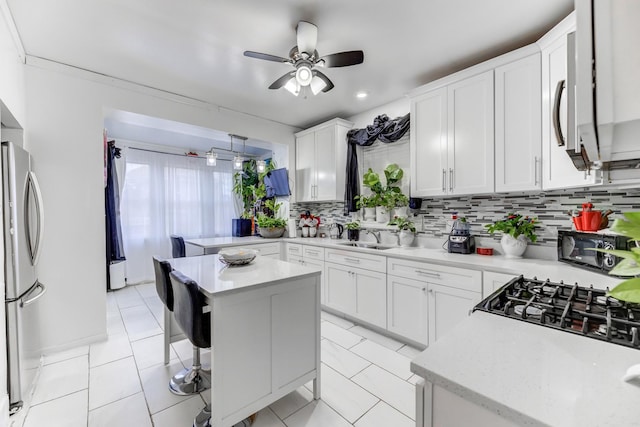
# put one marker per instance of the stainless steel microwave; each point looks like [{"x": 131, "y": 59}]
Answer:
[{"x": 576, "y": 247}]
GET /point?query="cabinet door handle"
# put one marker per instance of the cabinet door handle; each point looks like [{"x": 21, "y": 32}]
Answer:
[
  {"x": 535, "y": 171},
  {"x": 427, "y": 273},
  {"x": 431, "y": 291},
  {"x": 444, "y": 181},
  {"x": 450, "y": 179},
  {"x": 356, "y": 260},
  {"x": 424, "y": 289},
  {"x": 556, "y": 113}
]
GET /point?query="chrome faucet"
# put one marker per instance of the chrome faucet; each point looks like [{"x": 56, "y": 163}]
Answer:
[{"x": 376, "y": 234}]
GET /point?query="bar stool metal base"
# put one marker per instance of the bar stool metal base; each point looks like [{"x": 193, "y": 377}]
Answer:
[
  {"x": 203, "y": 418},
  {"x": 190, "y": 381}
]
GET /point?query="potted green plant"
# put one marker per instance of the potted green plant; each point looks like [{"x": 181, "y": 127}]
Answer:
[
  {"x": 629, "y": 289},
  {"x": 401, "y": 205},
  {"x": 384, "y": 196},
  {"x": 353, "y": 230},
  {"x": 407, "y": 230},
  {"x": 268, "y": 225},
  {"x": 517, "y": 231},
  {"x": 369, "y": 206},
  {"x": 244, "y": 184}
]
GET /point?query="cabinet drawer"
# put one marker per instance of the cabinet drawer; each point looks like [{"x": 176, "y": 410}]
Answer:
[
  {"x": 356, "y": 259},
  {"x": 294, "y": 249},
  {"x": 267, "y": 248},
  {"x": 313, "y": 252},
  {"x": 460, "y": 278}
]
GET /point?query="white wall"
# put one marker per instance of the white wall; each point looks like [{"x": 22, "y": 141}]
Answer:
[
  {"x": 64, "y": 109},
  {"x": 393, "y": 109}
]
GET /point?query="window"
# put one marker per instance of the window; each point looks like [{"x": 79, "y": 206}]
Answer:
[{"x": 166, "y": 194}]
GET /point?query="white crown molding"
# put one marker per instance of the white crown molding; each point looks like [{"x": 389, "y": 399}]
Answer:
[{"x": 11, "y": 25}]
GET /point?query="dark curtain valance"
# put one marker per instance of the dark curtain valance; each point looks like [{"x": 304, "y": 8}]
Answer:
[{"x": 384, "y": 129}]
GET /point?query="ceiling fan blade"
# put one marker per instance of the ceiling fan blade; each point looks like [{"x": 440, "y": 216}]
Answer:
[
  {"x": 265, "y": 56},
  {"x": 307, "y": 36},
  {"x": 282, "y": 80},
  {"x": 329, "y": 83},
  {"x": 343, "y": 59}
]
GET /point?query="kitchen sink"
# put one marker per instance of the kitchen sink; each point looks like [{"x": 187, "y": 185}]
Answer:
[{"x": 365, "y": 245}]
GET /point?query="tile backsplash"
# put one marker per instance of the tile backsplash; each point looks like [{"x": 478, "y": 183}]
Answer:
[{"x": 549, "y": 207}]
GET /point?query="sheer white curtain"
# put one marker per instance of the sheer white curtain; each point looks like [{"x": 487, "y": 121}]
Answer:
[{"x": 166, "y": 194}]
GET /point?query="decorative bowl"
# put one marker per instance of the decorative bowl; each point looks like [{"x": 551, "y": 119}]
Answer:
[{"x": 237, "y": 256}]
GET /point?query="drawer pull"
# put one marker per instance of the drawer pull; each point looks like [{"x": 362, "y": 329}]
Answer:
[
  {"x": 313, "y": 252},
  {"x": 356, "y": 260},
  {"x": 427, "y": 273}
]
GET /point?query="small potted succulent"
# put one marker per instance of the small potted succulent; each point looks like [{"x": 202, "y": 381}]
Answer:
[
  {"x": 369, "y": 205},
  {"x": 407, "y": 230},
  {"x": 353, "y": 230},
  {"x": 517, "y": 230}
]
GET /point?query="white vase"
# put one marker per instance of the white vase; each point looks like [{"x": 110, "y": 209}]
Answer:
[
  {"x": 512, "y": 247},
  {"x": 305, "y": 231},
  {"x": 313, "y": 231},
  {"x": 401, "y": 212},
  {"x": 369, "y": 214},
  {"x": 406, "y": 238},
  {"x": 382, "y": 215}
]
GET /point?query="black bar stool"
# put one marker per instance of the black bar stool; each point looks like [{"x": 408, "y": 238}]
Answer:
[
  {"x": 188, "y": 306},
  {"x": 177, "y": 246},
  {"x": 165, "y": 292}
]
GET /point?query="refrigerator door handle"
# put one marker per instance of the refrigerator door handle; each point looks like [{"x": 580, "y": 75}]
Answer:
[
  {"x": 33, "y": 186},
  {"x": 25, "y": 300}
]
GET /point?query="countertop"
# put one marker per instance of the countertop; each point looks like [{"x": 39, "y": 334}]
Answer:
[
  {"x": 216, "y": 278},
  {"x": 534, "y": 375},
  {"x": 542, "y": 269}
]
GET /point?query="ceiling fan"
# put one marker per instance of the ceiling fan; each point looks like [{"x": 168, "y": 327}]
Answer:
[{"x": 305, "y": 58}]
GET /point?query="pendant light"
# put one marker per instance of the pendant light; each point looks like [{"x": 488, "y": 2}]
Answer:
[
  {"x": 212, "y": 157},
  {"x": 238, "y": 159},
  {"x": 261, "y": 165}
]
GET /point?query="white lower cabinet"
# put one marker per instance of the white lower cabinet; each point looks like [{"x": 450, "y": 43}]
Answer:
[
  {"x": 407, "y": 308},
  {"x": 447, "y": 307},
  {"x": 308, "y": 255},
  {"x": 426, "y": 300},
  {"x": 357, "y": 292}
]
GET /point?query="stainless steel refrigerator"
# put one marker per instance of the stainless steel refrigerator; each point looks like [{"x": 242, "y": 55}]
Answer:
[{"x": 23, "y": 222}]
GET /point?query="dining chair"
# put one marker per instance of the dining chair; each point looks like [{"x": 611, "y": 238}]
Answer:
[{"x": 177, "y": 246}]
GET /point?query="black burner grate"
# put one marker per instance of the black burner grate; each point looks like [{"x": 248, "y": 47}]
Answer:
[{"x": 572, "y": 308}]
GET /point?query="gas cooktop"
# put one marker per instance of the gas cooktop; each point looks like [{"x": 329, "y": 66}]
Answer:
[{"x": 572, "y": 308}]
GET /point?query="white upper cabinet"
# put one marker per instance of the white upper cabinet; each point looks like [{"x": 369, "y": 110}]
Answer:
[
  {"x": 470, "y": 143},
  {"x": 452, "y": 138},
  {"x": 321, "y": 158},
  {"x": 518, "y": 125},
  {"x": 428, "y": 143},
  {"x": 558, "y": 169}
]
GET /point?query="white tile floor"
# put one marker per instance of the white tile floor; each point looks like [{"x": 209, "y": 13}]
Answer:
[{"x": 366, "y": 381}]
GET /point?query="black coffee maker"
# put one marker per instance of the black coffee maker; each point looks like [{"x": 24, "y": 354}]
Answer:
[{"x": 460, "y": 239}]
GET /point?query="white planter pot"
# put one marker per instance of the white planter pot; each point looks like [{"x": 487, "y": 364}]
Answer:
[
  {"x": 305, "y": 231},
  {"x": 382, "y": 215},
  {"x": 401, "y": 212},
  {"x": 369, "y": 214},
  {"x": 513, "y": 248},
  {"x": 406, "y": 238}
]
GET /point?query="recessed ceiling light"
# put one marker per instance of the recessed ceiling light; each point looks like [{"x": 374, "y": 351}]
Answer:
[{"x": 361, "y": 94}]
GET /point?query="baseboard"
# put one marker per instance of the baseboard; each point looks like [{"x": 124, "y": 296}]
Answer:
[{"x": 73, "y": 344}]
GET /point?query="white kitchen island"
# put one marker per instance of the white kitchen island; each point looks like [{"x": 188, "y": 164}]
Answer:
[{"x": 265, "y": 331}]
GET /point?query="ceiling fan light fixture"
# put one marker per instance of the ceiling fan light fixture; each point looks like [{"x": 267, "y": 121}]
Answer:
[
  {"x": 212, "y": 157},
  {"x": 317, "y": 84},
  {"x": 293, "y": 86},
  {"x": 304, "y": 75}
]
